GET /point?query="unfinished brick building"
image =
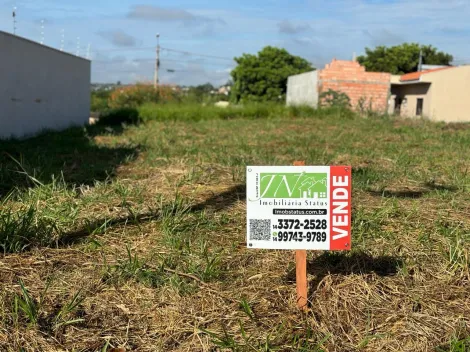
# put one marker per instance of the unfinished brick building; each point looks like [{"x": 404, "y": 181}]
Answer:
[{"x": 366, "y": 90}]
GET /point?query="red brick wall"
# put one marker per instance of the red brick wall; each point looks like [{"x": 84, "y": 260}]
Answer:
[{"x": 351, "y": 78}]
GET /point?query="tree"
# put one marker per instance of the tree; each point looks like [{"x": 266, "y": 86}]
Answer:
[
  {"x": 205, "y": 88},
  {"x": 401, "y": 59},
  {"x": 263, "y": 77},
  {"x": 200, "y": 93}
]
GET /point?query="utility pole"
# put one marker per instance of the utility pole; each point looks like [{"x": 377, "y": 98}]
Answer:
[
  {"x": 157, "y": 63},
  {"x": 420, "y": 64},
  {"x": 88, "y": 51},
  {"x": 14, "y": 20}
]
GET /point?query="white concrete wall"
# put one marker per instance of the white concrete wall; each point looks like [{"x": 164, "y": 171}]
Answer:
[
  {"x": 303, "y": 89},
  {"x": 40, "y": 88},
  {"x": 450, "y": 94}
]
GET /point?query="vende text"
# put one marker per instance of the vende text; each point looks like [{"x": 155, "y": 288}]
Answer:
[{"x": 340, "y": 207}]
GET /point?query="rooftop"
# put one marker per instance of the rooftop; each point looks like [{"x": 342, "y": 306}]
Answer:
[
  {"x": 16, "y": 37},
  {"x": 416, "y": 76}
]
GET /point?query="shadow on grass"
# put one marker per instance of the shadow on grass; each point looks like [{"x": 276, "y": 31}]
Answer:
[
  {"x": 342, "y": 263},
  {"x": 441, "y": 187},
  {"x": 222, "y": 201},
  {"x": 218, "y": 202},
  {"x": 399, "y": 193},
  {"x": 428, "y": 187},
  {"x": 72, "y": 153},
  {"x": 101, "y": 225}
]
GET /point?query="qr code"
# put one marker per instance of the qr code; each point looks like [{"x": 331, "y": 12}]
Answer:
[{"x": 260, "y": 230}]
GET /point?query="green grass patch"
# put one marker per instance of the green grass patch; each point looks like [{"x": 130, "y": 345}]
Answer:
[
  {"x": 149, "y": 220},
  {"x": 23, "y": 228},
  {"x": 198, "y": 112}
]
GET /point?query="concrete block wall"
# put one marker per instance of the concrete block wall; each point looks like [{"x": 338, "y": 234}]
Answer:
[
  {"x": 349, "y": 77},
  {"x": 40, "y": 88},
  {"x": 302, "y": 89}
]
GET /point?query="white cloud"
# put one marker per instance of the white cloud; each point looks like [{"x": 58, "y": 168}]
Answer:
[
  {"x": 384, "y": 37},
  {"x": 190, "y": 72},
  {"x": 287, "y": 27},
  {"x": 317, "y": 32},
  {"x": 156, "y": 13},
  {"x": 356, "y": 24},
  {"x": 118, "y": 38}
]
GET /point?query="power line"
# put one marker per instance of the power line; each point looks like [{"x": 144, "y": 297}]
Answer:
[
  {"x": 118, "y": 70},
  {"x": 138, "y": 69},
  {"x": 166, "y": 49},
  {"x": 161, "y": 60},
  {"x": 143, "y": 72},
  {"x": 196, "y": 54},
  {"x": 196, "y": 63},
  {"x": 126, "y": 49}
]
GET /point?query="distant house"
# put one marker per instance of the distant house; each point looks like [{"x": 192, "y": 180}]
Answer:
[
  {"x": 440, "y": 94},
  {"x": 224, "y": 90},
  {"x": 104, "y": 87},
  {"x": 370, "y": 89}
]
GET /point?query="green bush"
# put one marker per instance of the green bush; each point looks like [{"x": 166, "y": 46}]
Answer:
[
  {"x": 99, "y": 101},
  {"x": 197, "y": 112},
  {"x": 139, "y": 94},
  {"x": 332, "y": 98},
  {"x": 301, "y": 111},
  {"x": 112, "y": 117}
]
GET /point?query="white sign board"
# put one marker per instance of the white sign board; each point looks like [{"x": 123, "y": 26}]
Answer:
[{"x": 299, "y": 207}]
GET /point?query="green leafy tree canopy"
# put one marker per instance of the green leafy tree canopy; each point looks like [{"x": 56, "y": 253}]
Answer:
[
  {"x": 401, "y": 59},
  {"x": 263, "y": 77}
]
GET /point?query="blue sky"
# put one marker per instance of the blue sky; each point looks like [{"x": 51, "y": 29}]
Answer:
[{"x": 122, "y": 33}]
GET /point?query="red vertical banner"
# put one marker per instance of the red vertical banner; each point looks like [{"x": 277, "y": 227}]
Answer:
[{"x": 340, "y": 208}]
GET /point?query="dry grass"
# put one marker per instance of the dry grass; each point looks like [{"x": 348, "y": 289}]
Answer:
[{"x": 156, "y": 252}]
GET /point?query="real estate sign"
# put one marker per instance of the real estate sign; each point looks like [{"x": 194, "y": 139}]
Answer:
[{"x": 299, "y": 207}]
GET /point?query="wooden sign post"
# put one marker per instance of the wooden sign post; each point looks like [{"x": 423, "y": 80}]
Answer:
[
  {"x": 301, "y": 278},
  {"x": 299, "y": 208},
  {"x": 301, "y": 270}
]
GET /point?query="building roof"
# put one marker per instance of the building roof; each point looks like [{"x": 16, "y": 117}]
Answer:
[
  {"x": 425, "y": 67},
  {"x": 16, "y": 37},
  {"x": 416, "y": 76}
]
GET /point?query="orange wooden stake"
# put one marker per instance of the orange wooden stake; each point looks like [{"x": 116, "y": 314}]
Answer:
[
  {"x": 301, "y": 278},
  {"x": 301, "y": 269}
]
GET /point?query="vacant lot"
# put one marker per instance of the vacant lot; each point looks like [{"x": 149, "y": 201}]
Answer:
[{"x": 135, "y": 238}]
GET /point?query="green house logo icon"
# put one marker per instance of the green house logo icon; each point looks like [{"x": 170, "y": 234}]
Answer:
[{"x": 293, "y": 185}]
